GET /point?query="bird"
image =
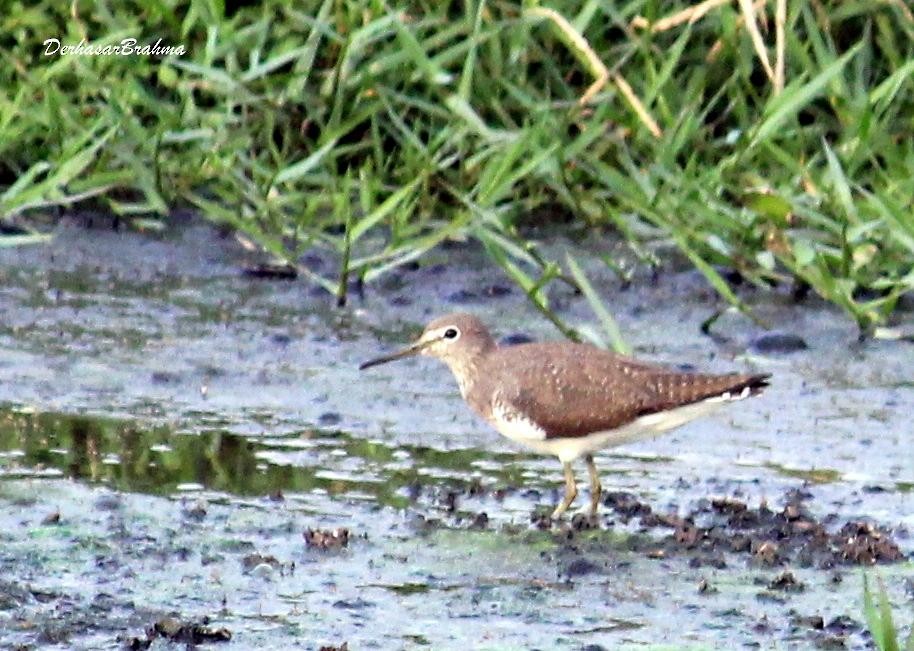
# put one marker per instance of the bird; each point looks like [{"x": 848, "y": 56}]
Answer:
[{"x": 570, "y": 399}]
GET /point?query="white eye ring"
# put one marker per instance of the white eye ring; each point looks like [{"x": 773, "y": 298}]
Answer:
[{"x": 452, "y": 333}]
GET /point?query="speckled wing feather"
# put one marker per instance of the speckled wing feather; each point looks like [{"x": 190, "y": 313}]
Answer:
[{"x": 574, "y": 390}]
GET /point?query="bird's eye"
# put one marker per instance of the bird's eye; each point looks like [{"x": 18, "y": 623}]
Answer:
[{"x": 451, "y": 333}]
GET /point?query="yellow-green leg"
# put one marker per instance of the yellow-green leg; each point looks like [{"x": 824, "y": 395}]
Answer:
[
  {"x": 595, "y": 488},
  {"x": 571, "y": 492}
]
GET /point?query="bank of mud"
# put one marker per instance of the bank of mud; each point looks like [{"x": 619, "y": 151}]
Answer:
[{"x": 174, "y": 428}]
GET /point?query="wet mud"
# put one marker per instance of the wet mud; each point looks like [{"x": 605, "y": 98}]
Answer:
[{"x": 188, "y": 456}]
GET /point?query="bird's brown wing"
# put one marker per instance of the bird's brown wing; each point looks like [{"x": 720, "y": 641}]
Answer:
[{"x": 574, "y": 390}]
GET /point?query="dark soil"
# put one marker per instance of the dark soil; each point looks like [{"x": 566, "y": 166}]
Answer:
[
  {"x": 771, "y": 538},
  {"x": 180, "y": 632}
]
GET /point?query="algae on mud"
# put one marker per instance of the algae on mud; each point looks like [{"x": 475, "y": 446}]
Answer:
[{"x": 160, "y": 492}]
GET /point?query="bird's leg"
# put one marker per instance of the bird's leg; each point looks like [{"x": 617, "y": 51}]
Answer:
[
  {"x": 571, "y": 491},
  {"x": 595, "y": 488}
]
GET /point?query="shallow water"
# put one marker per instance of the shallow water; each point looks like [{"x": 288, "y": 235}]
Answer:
[{"x": 181, "y": 417}]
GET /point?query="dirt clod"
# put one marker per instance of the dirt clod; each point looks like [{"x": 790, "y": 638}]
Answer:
[
  {"x": 580, "y": 567},
  {"x": 814, "y": 622},
  {"x": 271, "y": 271},
  {"x": 332, "y": 647},
  {"x": 327, "y": 538},
  {"x": 706, "y": 588},
  {"x": 541, "y": 520},
  {"x": 766, "y": 552},
  {"x": 251, "y": 561},
  {"x": 786, "y": 582},
  {"x": 626, "y": 505},
  {"x": 583, "y": 522},
  {"x": 772, "y": 538},
  {"x": 864, "y": 544},
  {"x": 51, "y": 518},
  {"x": 190, "y": 633}
]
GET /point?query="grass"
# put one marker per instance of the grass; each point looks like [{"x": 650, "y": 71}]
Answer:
[
  {"x": 879, "y": 621},
  {"x": 771, "y": 141}
]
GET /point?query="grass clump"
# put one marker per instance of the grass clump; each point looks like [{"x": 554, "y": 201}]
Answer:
[{"x": 766, "y": 138}]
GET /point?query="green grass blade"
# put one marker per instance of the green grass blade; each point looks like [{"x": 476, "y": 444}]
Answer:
[
  {"x": 715, "y": 279},
  {"x": 304, "y": 166},
  {"x": 889, "y": 635},
  {"x": 469, "y": 66},
  {"x": 839, "y": 183},
  {"x": 795, "y": 96},
  {"x": 23, "y": 182},
  {"x": 389, "y": 205},
  {"x": 24, "y": 239},
  {"x": 609, "y": 323}
]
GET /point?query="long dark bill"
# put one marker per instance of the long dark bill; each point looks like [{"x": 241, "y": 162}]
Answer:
[{"x": 414, "y": 349}]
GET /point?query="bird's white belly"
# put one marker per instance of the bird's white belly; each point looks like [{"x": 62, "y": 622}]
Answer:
[{"x": 526, "y": 432}]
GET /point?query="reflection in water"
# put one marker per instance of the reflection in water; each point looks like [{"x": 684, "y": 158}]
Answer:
[
  {"x": 156, "y": 460},
  {"x": 83, "y": 458}
]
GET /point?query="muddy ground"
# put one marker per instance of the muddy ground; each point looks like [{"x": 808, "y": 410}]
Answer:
[{"x": 188, "y": 454}]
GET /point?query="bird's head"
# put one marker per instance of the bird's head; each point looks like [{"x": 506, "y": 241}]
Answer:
[{"x": 456, "y": 339}]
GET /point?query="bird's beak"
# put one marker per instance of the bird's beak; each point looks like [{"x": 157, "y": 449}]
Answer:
[{"x": 413, "y": 349}]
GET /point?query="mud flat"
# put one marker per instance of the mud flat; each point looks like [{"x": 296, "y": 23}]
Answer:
[{"x": 189, "y": 455}]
